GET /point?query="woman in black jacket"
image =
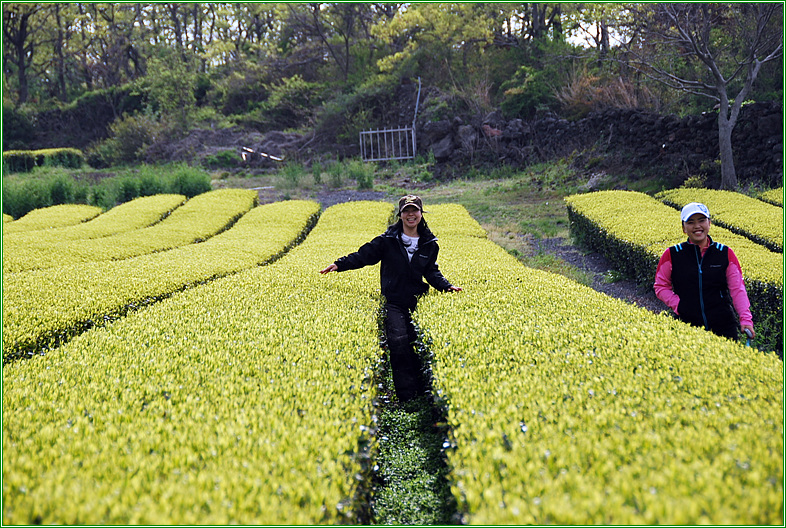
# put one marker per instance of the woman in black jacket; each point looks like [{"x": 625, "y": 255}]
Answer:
[{"x": 408, "y": 253}]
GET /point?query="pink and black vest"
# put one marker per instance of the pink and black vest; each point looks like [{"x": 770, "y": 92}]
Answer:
[{"x": 700, "y": 282}]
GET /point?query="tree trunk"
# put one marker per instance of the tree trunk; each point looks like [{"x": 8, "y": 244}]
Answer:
[
  {"x": 61, "y": 91},
  {"x": 15, "y": 32},
  {"x": 728, "y": 174}
]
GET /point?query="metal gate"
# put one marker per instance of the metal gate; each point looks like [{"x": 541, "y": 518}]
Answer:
[
  {"x": 390, "y": 143},
  {"x": 387, "y": 144}
]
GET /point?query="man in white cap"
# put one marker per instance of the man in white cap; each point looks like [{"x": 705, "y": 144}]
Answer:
[{"x": 701, "y": 280}]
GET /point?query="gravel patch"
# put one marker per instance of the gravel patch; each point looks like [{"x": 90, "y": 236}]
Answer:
[{"x": 328, "y": 198}]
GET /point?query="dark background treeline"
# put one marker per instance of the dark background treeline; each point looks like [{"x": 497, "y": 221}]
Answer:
[{"x": 116, "y": 79}]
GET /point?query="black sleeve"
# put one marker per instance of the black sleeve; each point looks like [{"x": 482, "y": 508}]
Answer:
[
  {"x": 434, "y": 276},
  {"x": 369, "y": 254}
]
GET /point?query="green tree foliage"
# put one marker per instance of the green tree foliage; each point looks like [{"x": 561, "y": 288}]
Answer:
[
  {"x": 720, "y": 50},
  {"x": 171, "y": 81},
  {"x": 246, "y": 59}
]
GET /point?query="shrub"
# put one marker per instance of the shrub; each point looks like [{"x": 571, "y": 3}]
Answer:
[
  {"x": 526, "y": 92},
  {"x": 187, "y": 180},
  {"x": 221, "y": 160},
  {"x": 18, "y": 131},
  {"x": 20, "y": 196},
  {"x": 129, "y": 189},
  {"x": 695, "y": 182},
  {"x": 150, "y": 183},
  {"x": 129, "y": 137},
  {"x": 62, "y": 190},
  {"x": 361, "y": 172},
  {"x": 18, "y": 161},
  {"x": 292, "y": 102}
]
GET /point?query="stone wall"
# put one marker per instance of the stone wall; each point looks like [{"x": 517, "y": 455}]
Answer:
[{"x": 648, "y": 139}]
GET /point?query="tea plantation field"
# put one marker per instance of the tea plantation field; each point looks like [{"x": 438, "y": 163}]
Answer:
[{"x": 196, "y": 368}]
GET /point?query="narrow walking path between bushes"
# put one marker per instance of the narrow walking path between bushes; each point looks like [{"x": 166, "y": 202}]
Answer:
[{"x": 409, "y": 483}]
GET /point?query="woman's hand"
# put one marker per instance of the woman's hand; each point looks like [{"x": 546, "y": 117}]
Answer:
[
  {"x": 330, "y": 268},
  {"x": 745, "y": 328},
  {"x": 454, "y": 289}
]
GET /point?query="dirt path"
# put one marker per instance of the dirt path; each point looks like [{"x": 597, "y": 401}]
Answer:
[{"x": 601, "y": 271}]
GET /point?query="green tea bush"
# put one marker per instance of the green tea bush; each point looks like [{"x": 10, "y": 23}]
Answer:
[
  {"x": 52, "y": 228},
  {"x": 746, "y": 216},
  {"x": 197, "y": 220},
  {"x": 69, "y": 158},
  {"x": 569, "y": 407},
  {"x": 46, "y": 307},
  {"x": 602, "y": 221},
  {"x": 18, "y": 161},
  {"x": 247, "y": 400},
  {"x": 50, "y": 218},
  {"x": 773, "y": 196},
  {"x": 26, "y": 160}
]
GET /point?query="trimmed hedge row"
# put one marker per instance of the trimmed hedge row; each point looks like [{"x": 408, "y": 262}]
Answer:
[
  {"x": 198, "y": 219},
  {"x": 632, "y": 230},
  {"x": 136, "y": 214},
  {"x": 569, "y": 407},
  {"x": 26, "y": 160},
  {"x": 746, "y": 216},
  {"x": 244, "y": 401},
  {"x": 42, "y": 308},
  {"x": 51, "y": 217},
  {"x": 773, "y": 196}
]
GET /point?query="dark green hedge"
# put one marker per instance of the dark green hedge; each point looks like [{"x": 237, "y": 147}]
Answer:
[{"x": 26, "y": 160}]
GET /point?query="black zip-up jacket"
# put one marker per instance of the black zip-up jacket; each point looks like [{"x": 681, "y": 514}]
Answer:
[
  {"x": 401, "y": 280},
  {"x": 700, "y": 282}
]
